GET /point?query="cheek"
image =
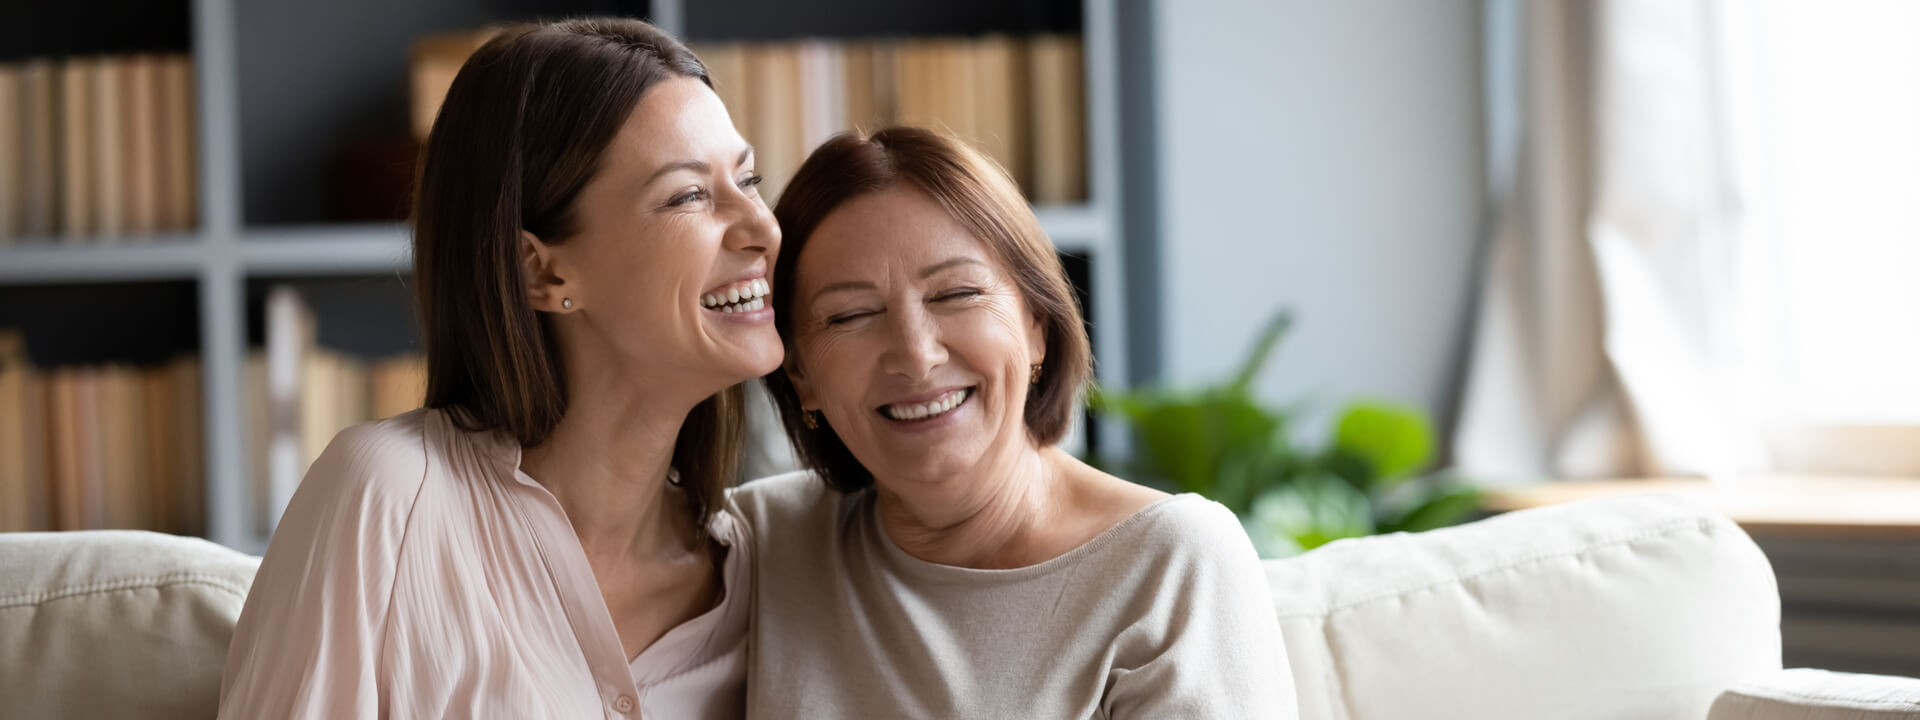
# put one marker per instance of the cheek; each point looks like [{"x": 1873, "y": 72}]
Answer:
[{"x": 830, "y": 360}]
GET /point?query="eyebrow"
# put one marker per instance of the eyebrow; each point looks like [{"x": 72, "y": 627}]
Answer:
[
  {"x": 926, "y": 272},
  {"x": 694, "y": 165},
  {"x": 929, "y": 270}
]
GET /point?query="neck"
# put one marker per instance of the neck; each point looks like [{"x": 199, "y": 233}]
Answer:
[
  {"x": 981, "y": 521},
  {"x": 607, "y": 463}
]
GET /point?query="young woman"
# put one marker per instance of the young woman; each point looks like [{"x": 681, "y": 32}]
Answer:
[{"x": 546, "y": 538}]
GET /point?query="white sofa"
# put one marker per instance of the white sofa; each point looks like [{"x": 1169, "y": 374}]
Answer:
[{"x": 1638, "y": 608}]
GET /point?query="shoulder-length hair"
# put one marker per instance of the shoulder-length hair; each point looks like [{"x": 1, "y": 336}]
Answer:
[
  {"x": 978, "y": 194},
  {"x": 521, "y": 132}
]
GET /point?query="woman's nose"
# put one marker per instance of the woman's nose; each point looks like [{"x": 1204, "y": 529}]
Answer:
[
  {"x": 751, "y": 227},
  {"x": 915, "y": 348}
]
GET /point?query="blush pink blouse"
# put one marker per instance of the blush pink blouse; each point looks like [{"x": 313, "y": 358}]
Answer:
[{"x": 419, "y": 573}]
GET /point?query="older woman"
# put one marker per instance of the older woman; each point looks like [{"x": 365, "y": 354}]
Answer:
[
  {"x": 546, "y": 538},
  {"x": 942, "y": 558}
]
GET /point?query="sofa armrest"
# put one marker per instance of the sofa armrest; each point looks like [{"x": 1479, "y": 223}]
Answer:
[{"x": 1805, "y": 694}]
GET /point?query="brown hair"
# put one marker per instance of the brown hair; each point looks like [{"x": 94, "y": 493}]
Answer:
[
  {"x": 522, "y": 130},
  {"x": 978, "y": 194}
]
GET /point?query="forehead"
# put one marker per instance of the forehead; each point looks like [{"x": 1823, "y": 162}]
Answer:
[
  {"x": 677, "y": 119},
  {"x": 900, "y": 225}
]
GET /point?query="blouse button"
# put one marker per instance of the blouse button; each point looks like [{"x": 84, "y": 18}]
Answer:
[{"x": 623, "y": 704}]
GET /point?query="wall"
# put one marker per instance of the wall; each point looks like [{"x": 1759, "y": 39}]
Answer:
[{"x": 1327, "y": 157}]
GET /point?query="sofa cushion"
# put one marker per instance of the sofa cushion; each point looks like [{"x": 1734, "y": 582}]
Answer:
[
  {"x": 114, "y": 624},
  {"x": 1803, "y": 694},
  {"x": 1641, "y": 607}
]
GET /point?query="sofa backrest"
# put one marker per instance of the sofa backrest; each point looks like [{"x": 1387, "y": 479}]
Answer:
[
  {"x": 1641, "y": 607},
  {"x": 115, "y": 624}
]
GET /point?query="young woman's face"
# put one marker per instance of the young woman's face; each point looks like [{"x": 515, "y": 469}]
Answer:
[
  {"x": 912, "y": 340},
  {"x": 671, "y": 265}
]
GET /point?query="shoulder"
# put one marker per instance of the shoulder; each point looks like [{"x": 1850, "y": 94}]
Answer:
[
  {"x": 1190, "y": 534},
  {"x": 783, "y": 498},
  {"x": 369, "y": 471}
]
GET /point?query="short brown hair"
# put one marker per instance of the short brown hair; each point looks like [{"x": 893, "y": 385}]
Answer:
[
  {"x": 521, "y": 132},
  {"x": 978, "y": 194}
]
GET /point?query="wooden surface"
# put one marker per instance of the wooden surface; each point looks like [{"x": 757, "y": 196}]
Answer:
[{"x": 1882, "y": 507}]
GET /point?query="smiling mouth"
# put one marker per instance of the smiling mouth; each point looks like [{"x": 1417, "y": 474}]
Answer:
[
  {"x": 947, "y": 402},
  {"x": 743, "y": 296}
]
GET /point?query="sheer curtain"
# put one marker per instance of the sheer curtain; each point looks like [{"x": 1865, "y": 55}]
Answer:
[{"x": 1622, "y": 328}]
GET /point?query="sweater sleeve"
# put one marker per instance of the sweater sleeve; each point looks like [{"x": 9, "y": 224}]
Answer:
[
  {"x": 308, "y": 642},
  {"x": 1212, "y": 647}
]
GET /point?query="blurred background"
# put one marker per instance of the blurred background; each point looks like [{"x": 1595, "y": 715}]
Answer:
[{"x": 1349, "y": 267}]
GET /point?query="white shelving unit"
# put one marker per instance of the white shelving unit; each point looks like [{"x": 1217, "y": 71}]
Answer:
[{"x": 225, "y": 252}]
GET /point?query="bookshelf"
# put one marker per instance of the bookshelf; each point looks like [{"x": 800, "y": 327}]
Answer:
[{"x": 250, "y": 232}]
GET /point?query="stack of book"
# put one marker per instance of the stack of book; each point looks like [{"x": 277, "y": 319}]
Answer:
[
  {"x": 1021, "y": 100},
  {"x": 301, "y": 394},
  {"x": 97, "y": 148},
  {"x": 97, "y": 447}
]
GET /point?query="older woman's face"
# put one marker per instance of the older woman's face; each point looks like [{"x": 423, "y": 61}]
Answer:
[{"x": 911, "y": 339}]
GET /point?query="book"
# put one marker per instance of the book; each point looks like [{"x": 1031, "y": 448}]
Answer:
[
  {"x": 156, "y": 420},
  {"x": 1057, "y": 102},
  {"x": 916, "y": 84},
  {"x": 142, "y": 126},
  {"x": 179, "y": 139},
  {"x": 90, "y": 487},
  {"x": 40, "y": 159},
  {"x": 260, "y": 423},
  {"x": 999, "y": 94},
  {"x": 63, "y": 442},
  {"x": 12, "y": 163},
  {"x": 75, "y": 128},
  {"x": 954, "y": 87},
  {"x": 123, "y": 485},
  {"x": 866, "y": 105},
  {"x": 107, "y": 80},
  {"x": 16, "y": 498},
  {"x": 188, "y": 494},
  {"x": 823, "y": 93}
]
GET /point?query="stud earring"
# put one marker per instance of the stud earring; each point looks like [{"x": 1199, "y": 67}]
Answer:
[
  {"x": 566, "y": 303},
  {"x": 1033, "y": 375},
  {"x": 806, "y": 418}
]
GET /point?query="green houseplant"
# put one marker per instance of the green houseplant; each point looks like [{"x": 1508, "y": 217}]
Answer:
[{"x": 1222, "y": 442}]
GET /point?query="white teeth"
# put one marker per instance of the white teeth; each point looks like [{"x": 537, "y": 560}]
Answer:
[
  {"x": 924, "y": 410},
  {"x": 747, "y": 295}
]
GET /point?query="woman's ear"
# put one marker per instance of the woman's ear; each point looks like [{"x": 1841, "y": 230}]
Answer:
[
  {"x": 546, "y": 287},
  {"x": 801, "y": 386},
  {"x": 1036, "y": 338}
]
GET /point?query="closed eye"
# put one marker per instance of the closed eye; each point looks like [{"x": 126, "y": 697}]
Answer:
[
  {"x": 957, "y": 294},
  {"x": 847, "y": 317}
]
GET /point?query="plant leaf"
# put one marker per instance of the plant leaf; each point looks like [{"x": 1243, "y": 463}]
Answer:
[
  {"x": 1447, "y": 508},
  {"x": 1307, "y": 513},
  {"x": 1277, "y": 328},
  {"x": 1395, "y": 439}
]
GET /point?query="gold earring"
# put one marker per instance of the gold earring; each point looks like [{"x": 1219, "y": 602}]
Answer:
[
  {"x": 1034, "y": 375},
  {"x": 566, "y": 303},
  {"x": 806, "y": 418}
]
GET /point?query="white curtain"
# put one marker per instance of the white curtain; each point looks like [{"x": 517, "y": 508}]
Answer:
[{"x": 1615, "y": 329}]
